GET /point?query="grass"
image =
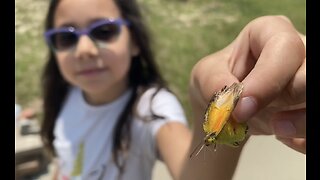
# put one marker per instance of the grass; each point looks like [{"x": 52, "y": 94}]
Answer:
[{"x": 184, "y": 31}]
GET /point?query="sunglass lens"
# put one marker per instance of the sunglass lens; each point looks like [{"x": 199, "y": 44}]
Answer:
[
  {"x": 64, "y": 40},
  {"x": 106, "y": 32}
]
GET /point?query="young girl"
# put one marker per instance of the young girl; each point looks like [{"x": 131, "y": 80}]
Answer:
[{"x": 107, "y": 111}]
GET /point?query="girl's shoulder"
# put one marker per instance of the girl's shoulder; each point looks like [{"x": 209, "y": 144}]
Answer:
[
  {"x": 155, "y": 93},
  {"x": 161, "y": 101}
]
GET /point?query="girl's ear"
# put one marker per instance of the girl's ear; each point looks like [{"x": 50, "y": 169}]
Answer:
[{"x": 135, "y": 50}]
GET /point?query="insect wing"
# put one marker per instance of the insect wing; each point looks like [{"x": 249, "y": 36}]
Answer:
[
  {"x": 220, "y": 108},
  {"x": 232, "y": 133},
  {"x": 216, "y": 120}
]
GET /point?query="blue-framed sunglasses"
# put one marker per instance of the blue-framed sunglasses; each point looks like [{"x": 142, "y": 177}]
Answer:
[{"x": 65, "y": 38}]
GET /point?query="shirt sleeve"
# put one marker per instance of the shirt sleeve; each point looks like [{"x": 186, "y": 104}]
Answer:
[
  {"x": 164, "y": 104},
  {"x": 167, "y": 105}
]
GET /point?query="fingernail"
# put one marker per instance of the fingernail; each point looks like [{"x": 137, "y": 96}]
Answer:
[
  {"x": 245, "y": 109},
  {"x": 284, "y": 128}
]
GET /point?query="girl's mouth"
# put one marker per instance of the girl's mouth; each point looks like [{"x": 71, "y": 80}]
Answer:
[{"x": 91, "y": 71}]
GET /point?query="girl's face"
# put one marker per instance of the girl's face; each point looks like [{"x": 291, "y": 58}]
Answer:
[{"x": 100, "y": 70}]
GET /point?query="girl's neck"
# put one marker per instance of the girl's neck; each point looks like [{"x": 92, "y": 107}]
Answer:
[{"x": 103, "y": 97}]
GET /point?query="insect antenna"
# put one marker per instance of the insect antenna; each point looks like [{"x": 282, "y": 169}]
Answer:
[{"x": 197, "y": 147}]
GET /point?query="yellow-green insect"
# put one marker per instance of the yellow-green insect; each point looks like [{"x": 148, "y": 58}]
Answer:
[{"x": 219, "y": 126}]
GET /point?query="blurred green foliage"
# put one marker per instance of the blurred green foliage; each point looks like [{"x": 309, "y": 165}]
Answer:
[{"x": 184, "y": 31}]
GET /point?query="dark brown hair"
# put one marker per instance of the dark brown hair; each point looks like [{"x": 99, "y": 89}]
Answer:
[{"x": 143, "y": 73}]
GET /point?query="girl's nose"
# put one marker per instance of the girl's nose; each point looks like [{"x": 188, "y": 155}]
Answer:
[{"x": 85, "y": 48}]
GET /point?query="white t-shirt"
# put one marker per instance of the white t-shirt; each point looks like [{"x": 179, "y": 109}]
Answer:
[{"x": 84, "y": 135}]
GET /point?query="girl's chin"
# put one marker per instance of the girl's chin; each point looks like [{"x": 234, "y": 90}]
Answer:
[{"x": 95, "y": 89}]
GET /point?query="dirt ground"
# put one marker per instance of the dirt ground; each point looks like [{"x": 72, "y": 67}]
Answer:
[
  {"x": 263, "y": 158},
  {"x": 160, "y": 172}
]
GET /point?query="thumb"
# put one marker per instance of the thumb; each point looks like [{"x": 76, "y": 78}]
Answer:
[{"x": 246, "y": 108}]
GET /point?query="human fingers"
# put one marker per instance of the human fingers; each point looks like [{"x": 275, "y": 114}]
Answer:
[
  {"x": 297, "y": 86},
  {"x": 295, "y": 92},
  {"x": 279, "y": 53},
  {"x": 298, "y": 144},
  {"x": 290, "y": 123}
]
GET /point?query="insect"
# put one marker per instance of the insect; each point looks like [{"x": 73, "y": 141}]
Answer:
[{"x": 219, "y": 126}]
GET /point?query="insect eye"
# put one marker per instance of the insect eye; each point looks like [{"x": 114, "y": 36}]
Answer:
[{"x": 210, "y": 140}]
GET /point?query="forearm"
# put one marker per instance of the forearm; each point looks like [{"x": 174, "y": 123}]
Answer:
[
  {"x": 55, "y": 175},
  {"x": 173, "y": 141}
]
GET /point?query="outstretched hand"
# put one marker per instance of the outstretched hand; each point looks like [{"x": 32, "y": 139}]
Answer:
[{"x": 268, "y": 56}]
